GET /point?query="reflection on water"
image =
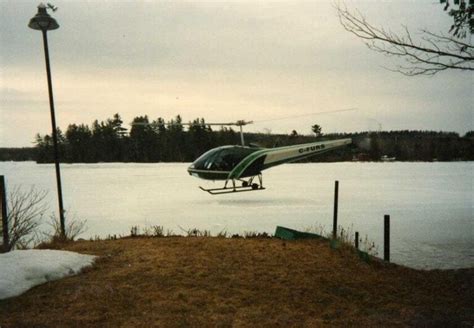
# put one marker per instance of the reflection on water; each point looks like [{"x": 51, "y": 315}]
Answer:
[{"x": 430, "y": 204}]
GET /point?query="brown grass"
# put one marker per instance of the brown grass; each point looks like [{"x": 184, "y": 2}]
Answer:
[{"x": 180, "y": 282}]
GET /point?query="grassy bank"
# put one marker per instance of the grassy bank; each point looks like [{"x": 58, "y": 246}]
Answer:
[{"x": 200, "y": 281}]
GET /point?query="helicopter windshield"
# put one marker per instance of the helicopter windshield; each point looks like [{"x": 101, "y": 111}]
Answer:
[{"x": 222, "y": 158}]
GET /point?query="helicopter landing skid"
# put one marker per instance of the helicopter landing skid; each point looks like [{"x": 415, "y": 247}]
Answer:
[
  {"x": 227, "y": 190},
  {"x": 246, "y": 186}
]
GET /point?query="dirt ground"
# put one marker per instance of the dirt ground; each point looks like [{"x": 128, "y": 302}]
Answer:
[{"x": 222, "y": 282}]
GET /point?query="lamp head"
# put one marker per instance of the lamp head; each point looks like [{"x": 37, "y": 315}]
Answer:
[{"x": 42, "y": 21}]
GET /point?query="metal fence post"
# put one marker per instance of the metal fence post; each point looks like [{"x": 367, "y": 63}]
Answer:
[
  {"x": 336, "y": 199},
  {"x": 3, "y": 204},
  {"x": 386, "y": 238}
]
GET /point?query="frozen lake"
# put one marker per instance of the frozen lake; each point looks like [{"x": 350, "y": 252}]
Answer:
[{"x": 430, "y": 204}]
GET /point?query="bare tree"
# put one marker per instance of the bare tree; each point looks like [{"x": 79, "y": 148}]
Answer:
[
  {"x": 429, "y": 54},
  {"x": 73, "y": 229},
  {"x": 25, "y": 209}
]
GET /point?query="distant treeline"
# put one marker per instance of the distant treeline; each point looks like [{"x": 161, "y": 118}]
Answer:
[
  {"x": 18, "y": 154},
  {"x": 174, "y": 141}
]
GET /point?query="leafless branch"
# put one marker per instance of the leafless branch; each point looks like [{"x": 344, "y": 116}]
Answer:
[
  {"x": 433, "y": 52},
  {"x": 24, "y": 211},
  {"x": 74, "y": 228}
]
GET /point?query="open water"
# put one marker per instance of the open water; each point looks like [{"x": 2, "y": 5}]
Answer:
[{"x": 430, "y": 204}]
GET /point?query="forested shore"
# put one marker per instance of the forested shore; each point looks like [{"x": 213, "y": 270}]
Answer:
[{"x": 174, "y": 141}]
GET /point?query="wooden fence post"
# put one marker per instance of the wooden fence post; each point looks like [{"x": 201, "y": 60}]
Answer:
[
  {"x": 3, "y": 205},
  {"x": 386, "y": 239},
  {"x": 336, "y": 199},
  {"x": 356, "y": 240}
]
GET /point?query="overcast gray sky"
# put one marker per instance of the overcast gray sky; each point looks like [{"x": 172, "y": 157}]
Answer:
[{"x": 221, "y": 60}]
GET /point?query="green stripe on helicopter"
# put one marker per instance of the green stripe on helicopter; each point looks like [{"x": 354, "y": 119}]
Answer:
[
  {"x": 285, "y": 154},
  {"x": 246, "y": 162}
]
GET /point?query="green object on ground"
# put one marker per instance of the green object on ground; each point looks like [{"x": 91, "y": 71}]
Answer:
[
  {"x": 334, "y": 243},
  {"x": 364, "y": 256},
  {"x": 290, "y": 234}
]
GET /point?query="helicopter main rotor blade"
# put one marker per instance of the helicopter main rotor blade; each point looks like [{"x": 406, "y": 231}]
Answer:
[
  {"x": 308, "y": 114},
  {"x": 238, "y": 123}
]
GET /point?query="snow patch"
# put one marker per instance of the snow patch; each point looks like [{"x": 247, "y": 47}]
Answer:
[{"x": 21, "y": 270}]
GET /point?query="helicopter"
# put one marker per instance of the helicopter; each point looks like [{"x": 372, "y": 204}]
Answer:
[
  {"x": 243, "y": 164},
  {"x": 235, "y": 163}
]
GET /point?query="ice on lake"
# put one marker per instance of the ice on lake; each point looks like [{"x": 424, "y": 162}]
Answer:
[{"x": 430, "y": 204}]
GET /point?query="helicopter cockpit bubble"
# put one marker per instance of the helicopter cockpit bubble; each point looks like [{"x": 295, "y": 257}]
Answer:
[{"x": 219, "y": 161}]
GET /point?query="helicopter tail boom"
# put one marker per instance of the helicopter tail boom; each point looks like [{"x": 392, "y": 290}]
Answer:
[
  {"x": 297, "y": 152},
  {"x": 266, "y": 158}
]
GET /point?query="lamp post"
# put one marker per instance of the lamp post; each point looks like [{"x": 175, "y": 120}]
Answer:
[{"x": 43, "y": 22}]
